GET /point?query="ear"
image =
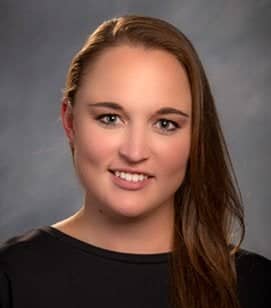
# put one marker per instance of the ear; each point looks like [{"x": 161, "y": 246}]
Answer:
[{"x": 67, "y": 119}]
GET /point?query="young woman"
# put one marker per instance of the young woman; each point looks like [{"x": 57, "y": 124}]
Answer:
[{"x": 161, "y": 200}]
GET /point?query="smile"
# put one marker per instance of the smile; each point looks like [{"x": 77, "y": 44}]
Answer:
[
  {"x": 130, "y": 177},
  {"x": 130, "y": 181}
]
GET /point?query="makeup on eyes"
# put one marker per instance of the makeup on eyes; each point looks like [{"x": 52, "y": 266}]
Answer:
[
  {"x": 166, "y": 114},
  {"x": 171, "y": 125}
]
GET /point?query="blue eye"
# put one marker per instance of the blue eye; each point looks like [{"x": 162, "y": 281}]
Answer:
[
  {"x": 168, "y": 125},
  {"x": 111, "y": 120},
  {"x": 108, "y": 119}
]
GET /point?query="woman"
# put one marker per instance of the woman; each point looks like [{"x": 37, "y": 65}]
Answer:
[{"x": 161, "y": 200}]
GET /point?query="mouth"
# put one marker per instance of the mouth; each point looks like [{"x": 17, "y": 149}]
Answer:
[
  {"x": 130, "y": 181},
  {"x": 131, "y": 176}
]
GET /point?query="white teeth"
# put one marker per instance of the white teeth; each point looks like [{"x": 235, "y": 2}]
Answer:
[{"x": 130, "y": 177}]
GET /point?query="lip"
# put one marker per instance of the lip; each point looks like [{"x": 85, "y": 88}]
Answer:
[
  {"x": 129, "y": 170},
  {"x": 123, "y": 184}
]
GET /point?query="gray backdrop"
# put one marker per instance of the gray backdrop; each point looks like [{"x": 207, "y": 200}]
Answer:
[{"x": 39, "y": 38}]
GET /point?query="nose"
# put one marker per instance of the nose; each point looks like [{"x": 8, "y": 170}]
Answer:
[{"x": 134, "y": 146}]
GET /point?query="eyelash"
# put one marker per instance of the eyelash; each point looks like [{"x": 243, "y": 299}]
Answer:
[{"x": 100, "y": 117}]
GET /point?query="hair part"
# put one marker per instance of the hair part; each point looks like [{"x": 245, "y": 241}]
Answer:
[{"x": 208, "y": 204}]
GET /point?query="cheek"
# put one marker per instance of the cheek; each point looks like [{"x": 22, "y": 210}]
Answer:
[
  {"x": 93, "y": 146},
  {"x": 174, "y": 157}
]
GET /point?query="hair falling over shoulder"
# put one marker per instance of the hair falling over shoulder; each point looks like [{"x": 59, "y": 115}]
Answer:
[{"x": 208, "y": 205}]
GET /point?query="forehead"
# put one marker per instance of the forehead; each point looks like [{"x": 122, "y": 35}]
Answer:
[{"x": 136, "y": 76}]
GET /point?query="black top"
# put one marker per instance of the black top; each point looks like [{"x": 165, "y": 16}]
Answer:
[{"x": 47, "y": 268}]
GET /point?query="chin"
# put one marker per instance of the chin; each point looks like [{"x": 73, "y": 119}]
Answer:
[{"x": 128, "y": 212}]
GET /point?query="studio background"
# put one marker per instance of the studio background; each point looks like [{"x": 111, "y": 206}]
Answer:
[{"x": 38, "y": 39}]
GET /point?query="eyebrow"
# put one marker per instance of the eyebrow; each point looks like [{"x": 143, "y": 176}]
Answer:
[{"x": 162, "y": 111}]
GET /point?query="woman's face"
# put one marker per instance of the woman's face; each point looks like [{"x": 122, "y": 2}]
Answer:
[{"x": 132, "y": 114}]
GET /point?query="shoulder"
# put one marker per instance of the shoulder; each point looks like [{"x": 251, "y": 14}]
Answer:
[
  {"x": 26, "y": 251},
  {"x": 19, "y": 245},
  {"x": 18, "y": 256},
  {"x": 254, "y": 279},
  {"x": 253, "y": 265}
]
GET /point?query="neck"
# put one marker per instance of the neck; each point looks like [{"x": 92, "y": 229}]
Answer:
[{"x": 152, "y": 233}]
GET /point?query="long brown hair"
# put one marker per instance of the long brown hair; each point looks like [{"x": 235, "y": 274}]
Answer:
[{"x": 208, "y": 203}]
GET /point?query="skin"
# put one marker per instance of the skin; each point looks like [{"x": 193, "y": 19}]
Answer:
[{"x": 141, "y": 81}]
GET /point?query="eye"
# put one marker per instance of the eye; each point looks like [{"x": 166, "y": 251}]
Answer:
[
  {"x": 168, "y": 125},
  {"x": 108, "y": 119}
]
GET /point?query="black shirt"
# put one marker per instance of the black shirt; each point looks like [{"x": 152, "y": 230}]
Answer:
[{"x": 47, "y": 268}]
